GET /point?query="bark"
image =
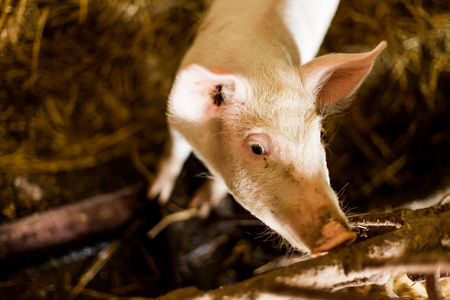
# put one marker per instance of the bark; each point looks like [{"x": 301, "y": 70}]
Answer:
[
  {"x": 418, "y": 243},
  {"x": 68, "y": 223}
]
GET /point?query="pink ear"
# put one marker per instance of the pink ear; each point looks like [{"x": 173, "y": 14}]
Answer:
[
  {"x": 336, "y": 76},
  {"x": 198, "y": 93}
]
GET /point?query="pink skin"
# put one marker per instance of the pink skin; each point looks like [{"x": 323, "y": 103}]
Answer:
[
  {"x": 299, "y": 205},
  {"x": 333, "y": 235},
  {"x": 259, "y": 135}
]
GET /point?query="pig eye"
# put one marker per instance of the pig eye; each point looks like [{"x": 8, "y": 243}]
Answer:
[{"x": 257, "y": 149}]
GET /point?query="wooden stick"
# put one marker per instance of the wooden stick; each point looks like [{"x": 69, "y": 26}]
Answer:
[
  {"x": 68, "y": 223},
  {"x": 172, "y": 218}
]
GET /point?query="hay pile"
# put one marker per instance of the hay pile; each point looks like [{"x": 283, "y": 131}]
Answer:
[
  {"x": 394, "y": 143},
  {"x": 84, "y": 82},
  {"x": 79, "y": 77}
]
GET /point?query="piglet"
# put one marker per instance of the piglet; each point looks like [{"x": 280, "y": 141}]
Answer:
[{"x": 248, "y": 100}]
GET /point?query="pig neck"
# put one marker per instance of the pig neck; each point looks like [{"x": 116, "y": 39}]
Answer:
[{"x": 249, "y": 37}]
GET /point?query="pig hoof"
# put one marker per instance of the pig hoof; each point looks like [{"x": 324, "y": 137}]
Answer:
[
  {"x": 334, "y": 234},
  {"x": 160, "y": 188},
  {"x": 208, "y": 196},
  {"x": 201, "y": 201}
]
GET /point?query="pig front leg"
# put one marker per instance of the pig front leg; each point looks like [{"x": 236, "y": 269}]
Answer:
[
  {"x": 176, "y": 152},
  {"x": 209, "y": 195}
]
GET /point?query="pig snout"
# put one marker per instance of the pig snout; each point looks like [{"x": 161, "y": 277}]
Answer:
[
  {"x": 333, "y": 235},
  {"x": 319, "y": 239},
  {"x": 316, "y": 230}
]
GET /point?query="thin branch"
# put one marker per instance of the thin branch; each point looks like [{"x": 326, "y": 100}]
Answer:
[
  {"x": 102, "y": 258},
  {"x": 172, "y": 218}
]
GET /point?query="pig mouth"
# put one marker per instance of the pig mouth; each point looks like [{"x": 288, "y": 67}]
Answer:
[{"x": 334, "y": 235}]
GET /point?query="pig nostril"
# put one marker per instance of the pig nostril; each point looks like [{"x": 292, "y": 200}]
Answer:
[{"x": 342, "y": 239}]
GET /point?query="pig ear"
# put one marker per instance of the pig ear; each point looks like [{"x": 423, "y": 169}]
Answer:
[
  {"x": 199, "y": 94},
  {"x": 333, "y": 77}
]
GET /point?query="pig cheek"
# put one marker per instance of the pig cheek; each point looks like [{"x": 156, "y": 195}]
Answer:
[
  {"x": 231, "y": 156},
  {"x": 250, "y": 185}
]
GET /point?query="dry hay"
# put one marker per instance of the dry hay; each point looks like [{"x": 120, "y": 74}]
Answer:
[
  {"x": 79, "y": 78},
  {"x": 394, "y": 144},
  {"x": 84, "y": 82}
]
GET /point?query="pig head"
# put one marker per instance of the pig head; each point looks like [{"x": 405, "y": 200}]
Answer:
[{"x": 261, "y": 136}]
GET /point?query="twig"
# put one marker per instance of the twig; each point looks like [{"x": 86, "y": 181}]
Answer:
[
  {"x": 150, "y": 262},
  {"x": 102, "y": 258},
  {"x": 431, "y": 284},
  {"x": 6, "y": 6},
  {"x": 37, "y": 40},
  {"x": 83, "y": 11},
  {"x": 172, "y": 218}
]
